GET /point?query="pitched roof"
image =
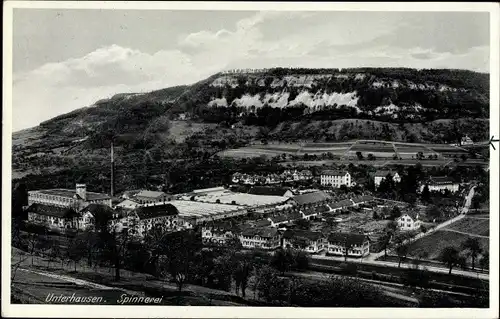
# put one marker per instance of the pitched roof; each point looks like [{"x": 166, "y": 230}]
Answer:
[
  {"x": 271, "y": 191},
  {"x": 360, "y": 199},
  {"x": 331, "y": 172},
  {"x": 350, "y": 238},
  {"x": 54, "y": 211},
  {"x": 413, "y": 214},
  {"x": 310, "y": 198},
  {"x": 382, "y": 173},
  {"x": 265, "y": 232},
  {"x": 222, "y": 227},
  {"x": 96, "y": 209},
  {"x": 153, "y": 211},
  {"x": 315, "y": 210},
  {"x": 299, "y": 233},
  {"x": 262, "y": 223},
  {"x": 150, "y": 194},
  {"x": 342, "y": 203},
  {"x": 441, "y": 180}
]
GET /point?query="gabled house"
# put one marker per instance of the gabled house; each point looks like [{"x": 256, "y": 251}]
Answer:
[
  {"x": 55, "y": 218},
  {"x": 93, "y": 214},
  {"x": 144, "y": 218},
  {"x": 219, "y": 233},
  {"x": 380, "y": 175},
  {"x": 264, "y": 238},
  {"x": 409, "y": 221},
  {"x": 310, "y": 241},
  {"x": 357, "y": 245}
]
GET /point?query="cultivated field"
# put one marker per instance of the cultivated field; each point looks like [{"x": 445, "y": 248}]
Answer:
[
  {"x": 454, "y": 235},
  {"x": 473, "y": 225},
  {"x": 437, "y": 241},
  {"x": 348, "y": 150}
]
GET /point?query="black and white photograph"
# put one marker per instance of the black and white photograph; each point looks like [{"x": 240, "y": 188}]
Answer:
[{"x": 250, "y": 159}]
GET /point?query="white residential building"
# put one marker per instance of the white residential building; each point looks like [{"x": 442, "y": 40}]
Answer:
[
  {"x": 381, "y": 175},
  {"x": 336, "y": 178},
  {"x": 310, "y": 241},
  {"x": 408, "y": 221},
  {"x": 358, "y": 245},
  {"x": 440, "y": 184},
  {"x": 263, "y": 238}
]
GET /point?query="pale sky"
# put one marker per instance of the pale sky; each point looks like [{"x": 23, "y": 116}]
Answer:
[{"x": 67, "y": 59}]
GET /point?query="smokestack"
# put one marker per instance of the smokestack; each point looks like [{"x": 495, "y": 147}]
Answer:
[{"x": 112, "y": 171}]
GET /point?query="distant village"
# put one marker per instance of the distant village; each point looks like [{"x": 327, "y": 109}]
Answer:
[{"x": 264, "y": 217}]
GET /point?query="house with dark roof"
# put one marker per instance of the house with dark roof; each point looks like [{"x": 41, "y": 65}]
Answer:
[
  {"x": 94, "y": 214},
  {"x": 271, "y": 191},
  {"x": 312, "y": 198},
  {"x": 314, "y": 212},
  {"x": 409, "y": 221},
  {"x": 144, "y": 218},
  {"x": 441, "y": 184},
  {"x": 284, "y": 218},
  {"x": 55, "y": 218},
  {"x": 380, "y": 175},
  {"x": 267, "y": 238},
  {"x": 310, "y": 241},
  {"x": 340, "y": 205},
  {"x": 219, "y": 233},
  {"x": 362, "y": 199},
  {"x": 357, "y": 245}
]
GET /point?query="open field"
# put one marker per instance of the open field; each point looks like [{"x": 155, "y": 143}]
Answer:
[
  {"x": 437, "y": 241},
  {"x": 473, "y": 225},
  {"x": 380, "y": 149}
]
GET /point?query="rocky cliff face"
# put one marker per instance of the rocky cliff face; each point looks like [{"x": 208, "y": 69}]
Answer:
[{"x": 273, "y": 97}]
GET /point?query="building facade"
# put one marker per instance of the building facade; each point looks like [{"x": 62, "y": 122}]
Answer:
[
  {"x": 441, "y": 184},
  {"x": 76, "y": 199},
  {"x": 381, "y": 175},
  {"x": 262, "y": 238},
  {"x": 312, "y": 242},
  {"x": 408, "y": 221},
  {"x": 357, "y": 245},
  {"x": 55, "y": 218},
  {"x": 335, "y": 178}
]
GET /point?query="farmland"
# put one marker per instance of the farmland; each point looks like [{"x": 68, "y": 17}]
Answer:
[
  {"x": 350, "y": 150},
  {"x": 454, "y": 235},
  {"x": 472, "y": 225},
  {"x": 437, "y": 241}
]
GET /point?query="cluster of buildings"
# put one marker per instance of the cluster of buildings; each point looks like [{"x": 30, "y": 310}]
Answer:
[
  {"x": 440, "y": 184},
  {"x": 271, "y": 238},
  {"x": 286, "y": 176}
]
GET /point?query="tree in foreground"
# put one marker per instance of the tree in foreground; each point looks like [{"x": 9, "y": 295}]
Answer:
[
  {"x": 450, "y": 257},
  {"x": 484, "y": 262},
  {"x": 473, "y": 248}
]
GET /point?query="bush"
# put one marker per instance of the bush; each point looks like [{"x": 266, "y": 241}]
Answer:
[{"x": 349, "y": 269}]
